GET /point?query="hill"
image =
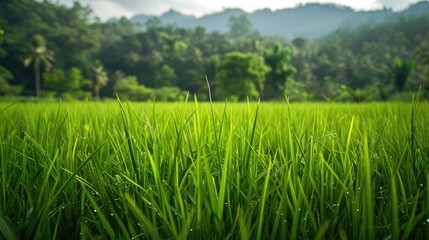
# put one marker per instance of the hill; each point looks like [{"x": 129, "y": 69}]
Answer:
[{"x": 310, "y": 20}]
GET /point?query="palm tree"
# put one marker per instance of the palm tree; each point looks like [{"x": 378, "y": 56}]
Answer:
[
  {"x": 39, "y": 55},
  {"x": 99, "y": 78}
]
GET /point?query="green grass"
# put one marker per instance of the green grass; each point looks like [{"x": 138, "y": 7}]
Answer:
[{"x": 181, "y": 171}]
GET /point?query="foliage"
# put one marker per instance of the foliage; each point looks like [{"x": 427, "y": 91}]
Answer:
[
  {"x": 71, "y": 81},
  {"x": 99, "y": 78},
  {"x": 168, "y": 94},
  {"x": 127, "y": 88},
  {"x": 280, "y": 72},
  {"x": 241, "y": 75},
  {"x": 162, "y": 171},
  {"x": 39, "y": 56},
  {"x": 423, "y": 58},
  {"x": 241, "y": 27},
  {"x": 6, "y": 89},
  {"x": 400, "y": 73},
  {"x": 2, "y": 39},
  {"x": 165, "y": 76},
  {"x": 179, "y": 58}
]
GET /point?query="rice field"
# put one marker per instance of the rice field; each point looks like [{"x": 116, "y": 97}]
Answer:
[{"x": 224, "y": 171}]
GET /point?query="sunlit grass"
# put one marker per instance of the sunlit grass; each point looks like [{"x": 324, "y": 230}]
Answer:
[{"x": 264, "y": 171}]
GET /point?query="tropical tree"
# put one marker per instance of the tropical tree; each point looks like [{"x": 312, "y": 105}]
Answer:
[
  {"x": 99, "y": 78},
  {"x": 424, "y": 58},
  {"x": 39, "y": 55},
  {"x": 153, "y": 23},
  {"x": 400, "y": 73},
  {"x": 2, "y": 33},
  {"x": 5, "y": 74},
  {"x": 240, "y": 27},
  {"x": 281, "y": 71},
  {"x": 127, "y": 87},
  {"x": 6, "y": 88},
  {"x": 66, "y": 82},
  {"x": 241, "y": 75}
]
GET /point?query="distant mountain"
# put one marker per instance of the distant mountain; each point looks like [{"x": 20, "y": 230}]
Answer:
[
  {"x": 170, "y": 17},
  {"x": 420, "y": 8},
  {"x": 175, "y": 17},
  {"x": 310, "y": 20}
]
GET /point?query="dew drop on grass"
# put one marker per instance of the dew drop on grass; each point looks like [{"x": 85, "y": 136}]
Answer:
[
  {"x": 95, "y": 210},
  {"x": 191, "y": 230},
  {"x": 357, "y": 210},
  {"x": 111, "y": 214},
  {"x": 427, "y": 220}
]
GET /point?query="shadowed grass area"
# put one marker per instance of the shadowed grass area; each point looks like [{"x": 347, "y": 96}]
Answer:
[{"x": 254, "y": 170}]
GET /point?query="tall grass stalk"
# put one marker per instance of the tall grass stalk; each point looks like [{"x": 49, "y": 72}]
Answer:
[{"x": 214, "y": 170}]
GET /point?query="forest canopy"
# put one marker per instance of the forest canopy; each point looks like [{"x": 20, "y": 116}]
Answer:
[{"x": 53, "y": 51}]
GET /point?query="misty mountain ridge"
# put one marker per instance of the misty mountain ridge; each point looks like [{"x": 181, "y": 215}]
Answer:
[{"x": 312, "y": 20}]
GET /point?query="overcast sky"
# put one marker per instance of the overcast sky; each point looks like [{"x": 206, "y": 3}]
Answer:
[{"x": 106, "y": 9}]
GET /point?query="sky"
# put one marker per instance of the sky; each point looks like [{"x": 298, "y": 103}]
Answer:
[{"x": 106, "y": 9}]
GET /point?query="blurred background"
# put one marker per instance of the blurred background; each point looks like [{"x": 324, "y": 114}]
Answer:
[{"x": 163, "y": 50}]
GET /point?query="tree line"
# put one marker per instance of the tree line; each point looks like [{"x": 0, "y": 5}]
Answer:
[{"x": 52, "y": 51}]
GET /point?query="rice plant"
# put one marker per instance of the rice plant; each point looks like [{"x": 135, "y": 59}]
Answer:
[{"x": 224, "y": 171}]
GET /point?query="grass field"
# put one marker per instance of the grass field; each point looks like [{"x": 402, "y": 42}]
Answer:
[{"x": 234, "y": 171}]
